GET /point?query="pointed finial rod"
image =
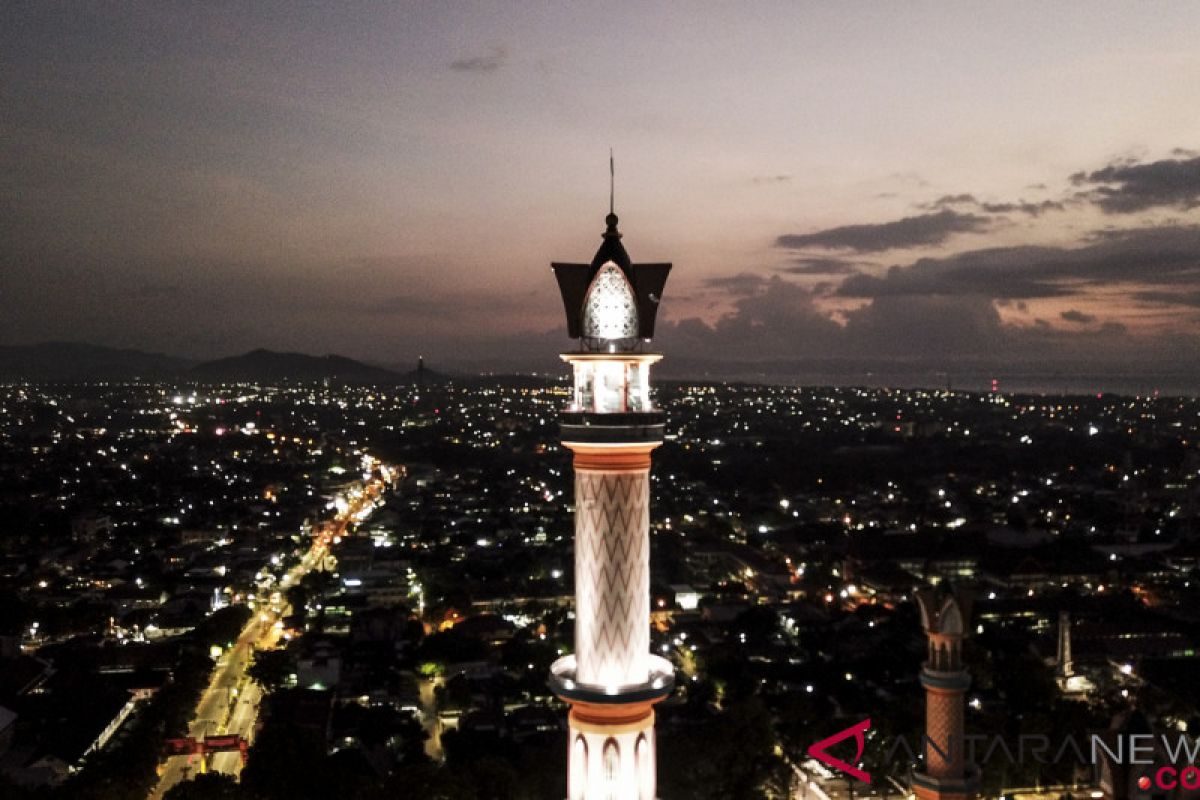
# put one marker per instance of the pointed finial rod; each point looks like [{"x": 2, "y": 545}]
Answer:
[{"x": 612, "y": 183}]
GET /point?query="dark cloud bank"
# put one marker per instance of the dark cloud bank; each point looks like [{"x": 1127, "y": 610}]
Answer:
[
  {"x": 937, "y": 315},
  {"x": 1166, "y": 256},
  {"x": 1119, "y": 188},
  {"x": 918, "y": 231},
  {"x": 1128, "y": 187}
]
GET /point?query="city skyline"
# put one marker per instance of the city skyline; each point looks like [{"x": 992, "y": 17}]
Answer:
[{"x": 964, "y": 186}]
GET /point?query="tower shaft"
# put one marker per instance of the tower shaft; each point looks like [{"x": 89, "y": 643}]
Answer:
[
  {"x": 612, "y": 681},
  {"x": 612, "y": 564},
  {"x": 944, "y": 758}
]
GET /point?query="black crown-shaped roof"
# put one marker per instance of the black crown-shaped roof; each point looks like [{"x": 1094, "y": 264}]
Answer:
[{"x": 647, "y": 281}]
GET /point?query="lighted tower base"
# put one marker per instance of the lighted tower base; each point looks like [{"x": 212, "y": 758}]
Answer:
[{"x": 612, "y": 755}]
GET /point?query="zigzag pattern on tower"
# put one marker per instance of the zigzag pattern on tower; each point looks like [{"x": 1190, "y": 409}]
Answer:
[{"x": 611, "y": 579}]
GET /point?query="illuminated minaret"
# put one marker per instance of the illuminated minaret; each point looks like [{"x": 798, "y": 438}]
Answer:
[
  {"x": 1064, "y": 667},
  {"x": 1064, "y": 664},
  {"x": 611, "y": 681},
  {"x": 946, "y": 775}
]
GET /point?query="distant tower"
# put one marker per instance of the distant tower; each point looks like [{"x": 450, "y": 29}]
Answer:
[
  {"x": 611, "y": 681},
  {"x": 1064, "y": 666},
  {"x": 1069, "y": 683},
  {"x": 947, "y": 775},
  {"x": 420, "y": 372}
]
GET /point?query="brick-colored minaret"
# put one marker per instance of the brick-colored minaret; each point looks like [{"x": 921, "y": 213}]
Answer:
[
  {"x": 946, "y": 774},
  {"x": 612, "y": 681}
]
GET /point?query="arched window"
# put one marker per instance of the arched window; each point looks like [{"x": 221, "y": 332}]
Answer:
[
  {"x": 612, "y": 770},
  {"x": 644, "y": 762},
  {"x": 610, "y": 309},
  {"x": 577, "y": 784},
  {"x": 950, "y": 621}
]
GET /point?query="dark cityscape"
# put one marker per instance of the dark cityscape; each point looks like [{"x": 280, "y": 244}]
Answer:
[
  {"x": 855, "y": 454},
  {"x": 369, "y": 583}
]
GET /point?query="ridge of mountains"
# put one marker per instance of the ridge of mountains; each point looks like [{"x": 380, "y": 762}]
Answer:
[{"x": 68, "y": 362}]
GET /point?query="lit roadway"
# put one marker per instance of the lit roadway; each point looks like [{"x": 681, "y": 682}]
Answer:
[
  {"x": 229, "y": 705},
  {"x": 430, "y": 720},
  {"x": 212, "y": 711}
]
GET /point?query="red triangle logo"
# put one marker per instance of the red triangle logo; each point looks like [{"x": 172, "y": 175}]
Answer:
[{"x": 858, "y": 731}]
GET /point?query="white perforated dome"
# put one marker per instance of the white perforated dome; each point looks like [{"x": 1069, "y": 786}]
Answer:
[{"x": 610, "y": 309}]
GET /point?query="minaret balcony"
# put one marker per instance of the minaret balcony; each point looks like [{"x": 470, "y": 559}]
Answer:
[
  {"x": 957, "y": 680},
  {"x": 660, "y": 680}
]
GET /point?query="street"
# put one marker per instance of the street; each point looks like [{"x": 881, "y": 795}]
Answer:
[
  {"x": 213, "y": 715},
  {"x": 429, "y": 714},
  {"x": 230, "y": 703}
]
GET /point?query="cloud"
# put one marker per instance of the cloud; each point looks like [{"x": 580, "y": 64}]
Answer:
[
  {"x": 922, "y": 230},
  {"x": 1025, "y": 207},
  {"x": 781, "y": 319},
  {"x": 1161, "y": 297},
  {"x": 491, "y": 62},
  {"x": 992, "y": 272},
  {"x": 1126, "y": 187},
  {"x": 953, "y": 199},
  {"x": 742, "y": 283},
  {"x": 781, "y": 329},
  {"x": 774, "y": 318},
  {"x": 1073, "y": 315},
  {"x": 821, "y": 266},
  {"x": 929, "y": 327},
  {"x": 1149, "y": 257},
  {"x": 1022, "y": 206}
]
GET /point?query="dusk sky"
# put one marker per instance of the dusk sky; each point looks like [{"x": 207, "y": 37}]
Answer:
[{"x": 954, "y": 183}]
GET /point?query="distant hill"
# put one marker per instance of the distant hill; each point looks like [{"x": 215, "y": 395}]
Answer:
[
  {"x": 268, "y": 365},
  {"x": 73, "y": 361}
]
